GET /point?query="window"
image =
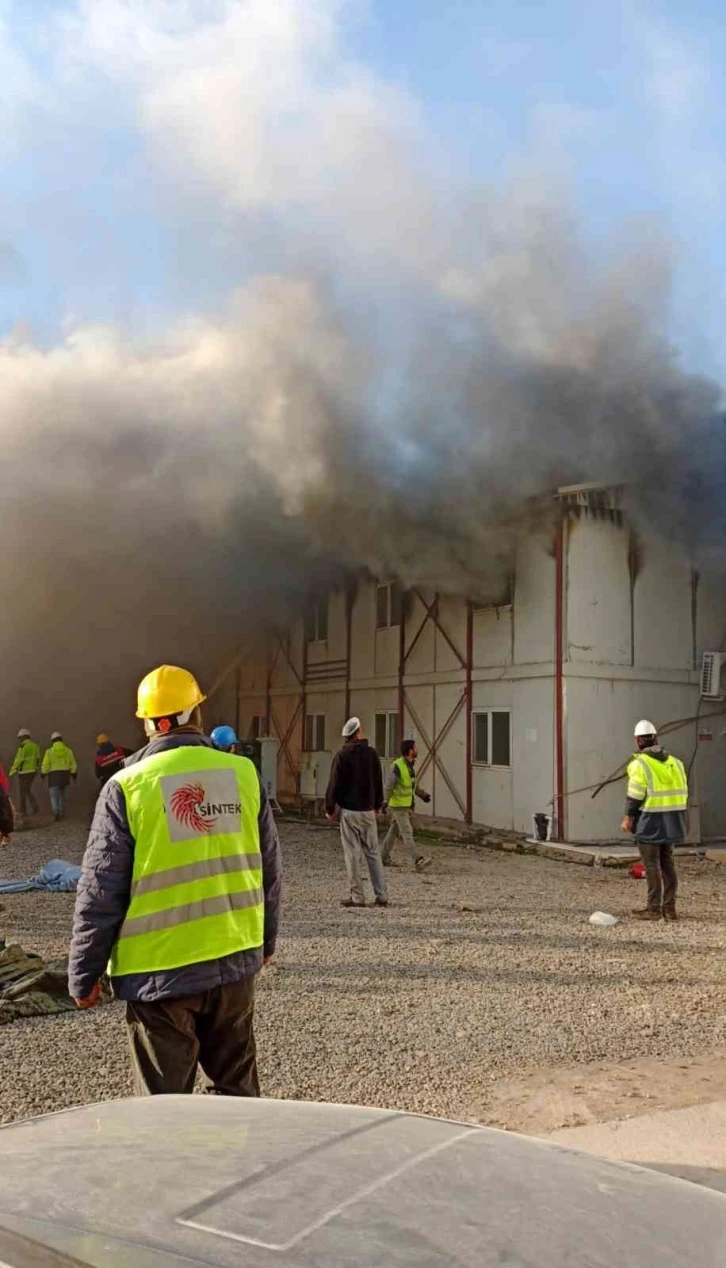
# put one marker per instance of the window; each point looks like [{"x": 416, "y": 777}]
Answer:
[
  {"x": 314, "y": 732},
  {"x": 491, "y": 738},
  {"x": 316, "y": 621},
  {"x": 387, "y": 741},
  {"x": 257, "y": 727},
  {"x": 388, "y": 606}
]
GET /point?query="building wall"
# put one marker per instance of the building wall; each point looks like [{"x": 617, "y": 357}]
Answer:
[{"x": 635, "y": 624}]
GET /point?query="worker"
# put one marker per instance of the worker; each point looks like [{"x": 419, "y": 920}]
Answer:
[
  {"x": 109, "y": 759},
  {"x": 180, "y": 895},
  {"x": 59, "y": 768},
  {"x": 401, "y": 789},
  {"x": 355, "y": 790},
  {"x": 655, "y": 812},
  {"x": 225, "y": 739},
  {"x": 26, "y": 765}
]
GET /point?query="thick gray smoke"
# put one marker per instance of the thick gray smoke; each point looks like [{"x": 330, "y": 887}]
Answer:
[{"x": 400, "y": 390}]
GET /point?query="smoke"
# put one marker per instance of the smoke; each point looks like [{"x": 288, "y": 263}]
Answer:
[{"x": 374, "y": 361}]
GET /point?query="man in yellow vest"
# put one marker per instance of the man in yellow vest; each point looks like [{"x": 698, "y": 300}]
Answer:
[
  {"x": 400, "y": 790},
  {"x": 59, "y": 768},
  {"x": 26, "y": 765},
  {"x": 655, "y": 812},
  {"x": 180, "y": 896}
]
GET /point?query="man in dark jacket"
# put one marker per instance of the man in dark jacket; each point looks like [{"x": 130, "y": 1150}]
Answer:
[
  {"x": 7, "y": 818},
  {"x": 655, "y": 812},
  {"x": 355, "y": 789},
  {"x": 109, "y": 759},
  {"x": 180, "y": 891}
]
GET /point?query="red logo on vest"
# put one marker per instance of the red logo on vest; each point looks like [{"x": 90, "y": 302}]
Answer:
[{"x": 185, "y": 803}]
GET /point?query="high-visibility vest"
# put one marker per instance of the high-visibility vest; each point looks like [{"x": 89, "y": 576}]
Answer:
[
  {"x": 659, "y": 785},
  {"x": 196, "y": 887},
  {"x": 59, "y": 757},
  {"x": 27, "y": 758},
  {"x": 405, "y": 789}
]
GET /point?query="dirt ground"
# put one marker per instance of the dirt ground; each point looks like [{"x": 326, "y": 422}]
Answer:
[{"x": 481, "y": 993}]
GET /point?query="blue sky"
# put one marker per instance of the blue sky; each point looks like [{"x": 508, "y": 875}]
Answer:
[{"x": 126, "y": 202}]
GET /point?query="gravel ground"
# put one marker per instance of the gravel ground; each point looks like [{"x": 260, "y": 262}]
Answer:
[{"x": 421, "y": 1006}]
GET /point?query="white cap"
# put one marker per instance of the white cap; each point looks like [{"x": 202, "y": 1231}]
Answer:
[
  {"x": 56, "y": 736},
  {"x": 350, "y": 728},
  {"x": 645, "y": 728},
  {"x": 23, "y": 733}
]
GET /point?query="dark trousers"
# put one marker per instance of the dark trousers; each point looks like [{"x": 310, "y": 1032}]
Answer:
[
  {"x": 28, "y": 804},
  {"x": 170, "y": 1038},
  {"x": 660, "y": 874}
]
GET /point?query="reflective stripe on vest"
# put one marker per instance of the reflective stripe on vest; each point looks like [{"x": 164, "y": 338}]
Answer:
[
  {"x": 405, "y": 788},
  {"x": 659, "y": 785},
  {"x": 196, "y": 888}
]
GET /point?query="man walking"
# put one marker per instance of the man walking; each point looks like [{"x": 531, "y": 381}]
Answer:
[
  {"x": 26, "y": 765},
  {"x": 59, "y": 768},
  {"x": 355, "y": 789},
  {"x": 655, "y": 812},
  {"x": 181, "y": 891},
  {"x": 109, "y": 759},
  {"x": 400, "y": 790}
]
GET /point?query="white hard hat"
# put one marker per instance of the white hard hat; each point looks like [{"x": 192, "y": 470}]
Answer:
[
  {"x": 56, "y": 736},
  {"x": 645, "y": 728},
  {"x": 23, "y": 733},
  {"x": 350, "y": 728}
]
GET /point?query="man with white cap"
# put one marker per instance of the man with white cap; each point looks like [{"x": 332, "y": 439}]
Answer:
[
  {"x": 355, "y": 789},
  {"x": 655, "y": 812},
  {"x": 26, "y": 765}
]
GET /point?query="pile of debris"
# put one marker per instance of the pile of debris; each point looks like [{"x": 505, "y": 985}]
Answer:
[{"x": 32, "y": 987}]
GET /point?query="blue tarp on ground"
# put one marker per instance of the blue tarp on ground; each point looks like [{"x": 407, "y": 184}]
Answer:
[{"x": 57, "y": 875}]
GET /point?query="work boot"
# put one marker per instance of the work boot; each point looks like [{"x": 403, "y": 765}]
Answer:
[
  {"x": 670, "y": 913},
  {"x": 422, "y": 863},
  {"x": 381, "y": 902},
  {"x": 350, "y": 902},
  {"x": 56, "y": 816},
  {"x": 646, "y": 913}
]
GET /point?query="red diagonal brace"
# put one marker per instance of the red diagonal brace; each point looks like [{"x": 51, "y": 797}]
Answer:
[
  {"x": 432, "y": 755},
  {"x": 433, "y": 615}
]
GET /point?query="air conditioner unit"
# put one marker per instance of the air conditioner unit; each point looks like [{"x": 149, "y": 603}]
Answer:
[{"x": 711, "y": 675}]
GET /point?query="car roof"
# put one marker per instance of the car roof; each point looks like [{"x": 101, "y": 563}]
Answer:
[{"x": 162, "y": 1181}]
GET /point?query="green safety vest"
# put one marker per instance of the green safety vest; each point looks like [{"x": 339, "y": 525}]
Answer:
[
  {"x": 659, "y": 785},
  {"x": 405, "y": 789},
  {"x": 27, "y": 758},
  {"x": 59, "y": 757},
  {"x": 196, "y": 887}
]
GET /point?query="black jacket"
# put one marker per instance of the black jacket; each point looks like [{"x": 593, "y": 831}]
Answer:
[
  {"x": 7, "y": 822},
  {"x": 104, "y": 894},
  {"x": 356, "y": 778}
]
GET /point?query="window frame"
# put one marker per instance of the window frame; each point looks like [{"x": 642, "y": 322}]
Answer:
[
  {"x": 393, "y": 605},
  {"x": 489, "y": 712},
  {"x": 316, "y": 621},
  {"x": 314, "y": 722},
  {"x": 393, "y": 742}
]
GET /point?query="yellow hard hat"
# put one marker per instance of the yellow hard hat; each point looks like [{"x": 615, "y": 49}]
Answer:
[
  {"x": 102, "y": 738},
  {"x": 166, "y": 691}
]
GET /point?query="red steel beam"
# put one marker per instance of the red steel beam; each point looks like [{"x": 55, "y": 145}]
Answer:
[
  {"x": 469, "y": 704},
  {"x": 433, "y": 613},
  {"x": 432, "y": 755},
  {"x": 560, "y": 681}
]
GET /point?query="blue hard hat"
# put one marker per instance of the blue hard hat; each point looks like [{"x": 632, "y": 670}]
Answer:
[{"x": 224, "y": 737}]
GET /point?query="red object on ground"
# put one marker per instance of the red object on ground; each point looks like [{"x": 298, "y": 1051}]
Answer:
[
  {"x": 637, "y": 872},
  {"x": 4, "y": 781}
]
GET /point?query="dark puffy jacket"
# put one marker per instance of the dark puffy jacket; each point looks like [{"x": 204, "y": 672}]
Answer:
[
  {"x": 108, "y": 760},
  {"x": 7, "y": 821},
  {"x": 104, "y": 894},
  {"x": 356, "y": 778}
]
